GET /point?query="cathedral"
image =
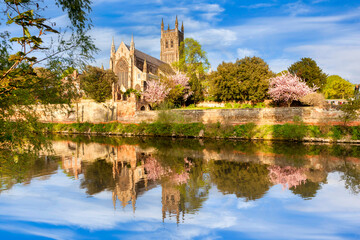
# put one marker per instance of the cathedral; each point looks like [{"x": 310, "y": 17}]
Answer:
[{"x": 134, "y": 67}]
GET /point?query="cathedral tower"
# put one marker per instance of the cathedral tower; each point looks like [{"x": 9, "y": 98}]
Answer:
[{"x": 170, "y": 43}]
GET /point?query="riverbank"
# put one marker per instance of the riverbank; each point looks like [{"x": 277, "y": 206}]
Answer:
[{"x": 297, "y": 131}]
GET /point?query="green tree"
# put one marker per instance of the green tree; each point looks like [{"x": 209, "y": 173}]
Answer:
[
  {"x": 282, "y": 72},
  {"x": 22, "y": 86},
  {"x": 244, "y": 80},
  {"x": 193, "y": 61},
  {"x": 336, "y": 87},
  {"x": 97, "y": 83},
  {"x": 308, "y": 70}
]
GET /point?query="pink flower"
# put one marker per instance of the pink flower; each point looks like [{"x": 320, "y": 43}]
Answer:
[
  {"x": 156, "y": 91},
  {"x": 288, "y": 87}
]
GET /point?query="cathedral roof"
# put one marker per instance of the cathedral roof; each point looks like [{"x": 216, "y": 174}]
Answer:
[{"x": 163, "y": 66}]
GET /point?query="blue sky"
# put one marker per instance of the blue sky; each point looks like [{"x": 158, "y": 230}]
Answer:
[{"x": 281, "y": 32}]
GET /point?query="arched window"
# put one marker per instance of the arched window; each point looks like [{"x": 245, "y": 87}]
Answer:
[
  {"x": 166, "y": 44},
  {"x": 172, "y": 43},
  {"x": 122, "y": 71}
]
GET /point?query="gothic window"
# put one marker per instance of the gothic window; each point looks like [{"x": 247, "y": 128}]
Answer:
[
  {"x": 122, "y": 71},
  {"x": 172, "y": 43},
  {"x": 166, "y": 44}
]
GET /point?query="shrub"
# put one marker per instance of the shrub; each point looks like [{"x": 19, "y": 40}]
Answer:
[
  {"x": 228, "y": 105},
  {"x": 247, "y": 130},
  {"x": 314, "y": 99},
  {"x": 290, "y": 131},
  {"x": 246, "y": 105},
  {"x": 260, "y": 105},
  {"x": 237, "y": 105},
  {"x": 167, "y": 117},
  {"x": 350, "y": 110}
]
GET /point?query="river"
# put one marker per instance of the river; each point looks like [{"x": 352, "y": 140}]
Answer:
[{"x": 163, "y": 188}]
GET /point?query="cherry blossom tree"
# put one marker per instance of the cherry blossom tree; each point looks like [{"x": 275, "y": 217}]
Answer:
[
  {"x": 156, "y": 91},
  {"x": 287, "y": 176},
  {"x": 288, "y": 87},
  {"x": 181, "y": 80}
]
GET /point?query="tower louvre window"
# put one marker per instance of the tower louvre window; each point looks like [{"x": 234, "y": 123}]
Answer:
[
  {"x": 172, "y": 43},
  {"x": 166, "y": 44}
]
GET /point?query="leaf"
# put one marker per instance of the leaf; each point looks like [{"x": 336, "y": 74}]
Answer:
[{"x": 26, "y": 31}]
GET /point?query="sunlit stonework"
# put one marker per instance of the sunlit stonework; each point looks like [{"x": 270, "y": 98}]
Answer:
[{"x": 134, "y": 67}]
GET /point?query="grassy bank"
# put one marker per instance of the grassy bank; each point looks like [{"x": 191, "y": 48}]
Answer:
[{"x": 294, "y": 132}]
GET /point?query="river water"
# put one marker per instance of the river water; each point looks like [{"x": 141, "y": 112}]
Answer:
[{"x": 147, "y": 188}]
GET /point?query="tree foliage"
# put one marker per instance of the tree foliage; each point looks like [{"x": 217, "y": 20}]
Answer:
[
  {"x": 350, "y": 110},
  {"x": 175, "y": 90},
  {"x": 288, "y": 88},
  {"x": 180, "y": 90},
  {"x": 338, "y": 88},
  {"x": 97, "y": 83},
  {"x": 194, "y": 63},
  {"x": 40, "y": 41},
  {"x": 308, "y": 70},
  {"x": 244, "y": 80}
]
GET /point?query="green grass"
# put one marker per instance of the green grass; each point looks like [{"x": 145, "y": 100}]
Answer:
[{"x": 296, "y": 132}]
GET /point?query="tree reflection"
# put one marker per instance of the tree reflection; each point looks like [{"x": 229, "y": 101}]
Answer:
[
  {"x": 98, "y": 177},
  {"x": 287, "y": 176},
  {"x": 247, "y": 180},
  {"x": 306, "y": 190},
  {"x": 351, "y": 176},
  {"x": 18, "y": 167}
]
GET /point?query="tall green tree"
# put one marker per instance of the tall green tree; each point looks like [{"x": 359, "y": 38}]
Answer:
[
  {"x": 308, "y": 70},
  {"x": 193, "y": 61},
  {"x": 336, "y": 87},
  {"x": 97, "y": 83},
  {"x": 21, "y": 86},
  {"x": 244, "y": 80}
]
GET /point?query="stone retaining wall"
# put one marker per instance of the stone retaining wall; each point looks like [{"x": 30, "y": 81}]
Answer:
[
  {"x": 257, "y": 115},
  {"x": 125, "y": 111}
]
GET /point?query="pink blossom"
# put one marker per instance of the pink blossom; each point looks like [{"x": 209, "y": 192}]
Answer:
[
  {"x": 156, "y": 91},
  {"x": 288, "y": 87},
  {"x": 287, "y": 176},
  {"x": 182, "y": 80}
]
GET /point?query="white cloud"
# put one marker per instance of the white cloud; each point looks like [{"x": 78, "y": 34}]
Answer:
[
  {"x": 258, "y": 5},
  {"x": 245, "y": 52},
  {"x": 280, "y": 64}
]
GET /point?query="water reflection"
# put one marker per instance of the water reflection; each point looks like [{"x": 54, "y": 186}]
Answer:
[{"x": 188, "y": 173}]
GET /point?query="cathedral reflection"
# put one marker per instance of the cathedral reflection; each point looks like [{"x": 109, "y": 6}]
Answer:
[
  {"x": 129, "y": 175},
  {"x": 186, "y": 175}
]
